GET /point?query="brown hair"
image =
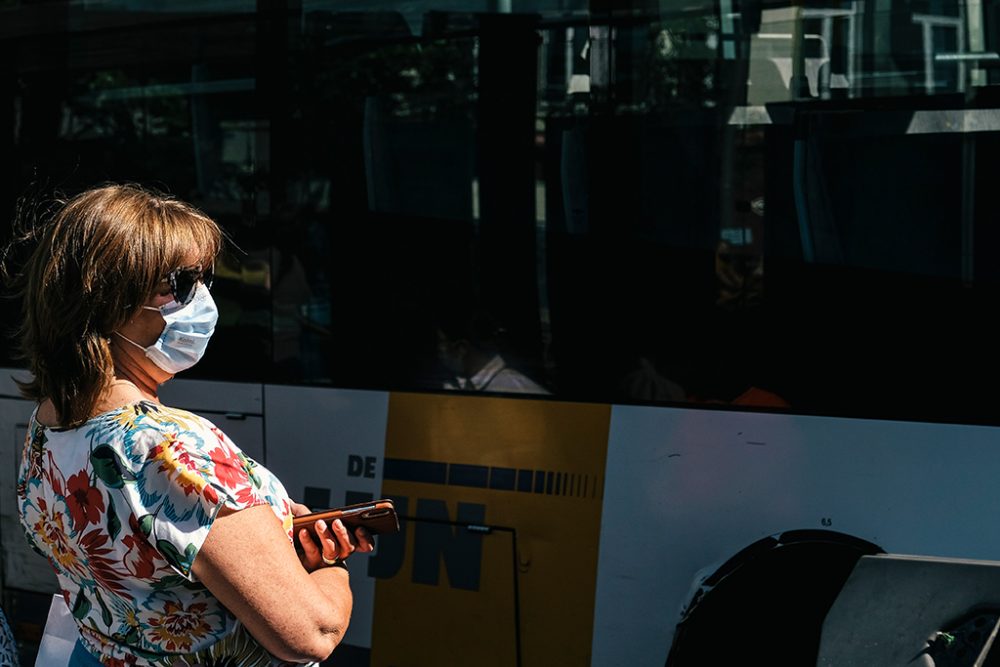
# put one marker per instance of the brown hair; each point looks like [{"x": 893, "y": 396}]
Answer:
[{"x": 97, "y": 261}]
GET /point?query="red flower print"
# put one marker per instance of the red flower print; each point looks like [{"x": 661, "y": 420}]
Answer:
[
  {"x": 172, "y": 454},
  {"x": 177, "y": 628},
  {"x": 85, "y": 503},
  {"x": 247, "y": 496},
  {"x": 228, "y": 468},
  {"x": 178, "y": 464},
  {"x": 54, "y": 476},
  {"x": 184, "y": 458},
  {"x": 103, "y": 569},
  {"x": 50, "y": 529},
  {"x": 219, "y": 434},
  {"x": 141, "y": 557}
]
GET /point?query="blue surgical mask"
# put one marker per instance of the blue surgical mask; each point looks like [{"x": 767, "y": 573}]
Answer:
[{"x": 185, "y": 336}]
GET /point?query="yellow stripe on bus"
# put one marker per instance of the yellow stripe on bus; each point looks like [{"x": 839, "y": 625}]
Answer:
[{"x": 446, "y": 596}]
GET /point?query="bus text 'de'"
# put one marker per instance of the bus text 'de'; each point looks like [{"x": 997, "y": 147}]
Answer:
[{"x": 361, "y": 466}]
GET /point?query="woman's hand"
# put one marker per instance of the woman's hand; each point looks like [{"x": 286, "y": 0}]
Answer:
[{"x": 329, "y": 542}]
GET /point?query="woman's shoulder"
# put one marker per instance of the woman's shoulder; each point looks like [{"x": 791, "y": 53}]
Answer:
[
  {"x": 134, "y": 419},
  {"x": 164, "y": 415},
  {"x": 147, "y": 430},
  {"x": 148, "y": 415},
  {"x": 125, "y": 405}
]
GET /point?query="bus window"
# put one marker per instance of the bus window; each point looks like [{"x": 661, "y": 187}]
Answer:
[{"x": 716, "y": 204}]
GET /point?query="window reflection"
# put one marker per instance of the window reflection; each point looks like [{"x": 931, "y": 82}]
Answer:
[
  {"x": 717, "y": 203},
  {"x": 165, "y": 6}
]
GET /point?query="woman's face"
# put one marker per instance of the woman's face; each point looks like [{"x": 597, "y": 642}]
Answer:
[
  {"x": 145, "y": 328},
  {"x": 147, "y": 325}
]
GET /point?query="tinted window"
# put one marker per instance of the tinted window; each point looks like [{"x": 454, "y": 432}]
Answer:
[{"x": 778, "y": 206}]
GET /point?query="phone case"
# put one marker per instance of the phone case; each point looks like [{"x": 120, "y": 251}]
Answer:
[{"x": 378, "y": 516}]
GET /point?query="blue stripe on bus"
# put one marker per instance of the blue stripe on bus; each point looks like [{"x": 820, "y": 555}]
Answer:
[
  {"x": 460, "y": 474},
  {"x": 497, "y": 478},
  {"x": 406, "y": 470},
  {"x": 502, "y": 478}
]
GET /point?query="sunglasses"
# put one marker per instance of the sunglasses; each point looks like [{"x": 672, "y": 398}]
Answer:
[{"x": 184, "y": 280}]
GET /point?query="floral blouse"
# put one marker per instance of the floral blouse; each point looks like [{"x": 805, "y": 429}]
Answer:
[{"x": 120, "y": 506}]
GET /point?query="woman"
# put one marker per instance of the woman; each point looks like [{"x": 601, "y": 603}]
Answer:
[{"x": 171, "y": 547}]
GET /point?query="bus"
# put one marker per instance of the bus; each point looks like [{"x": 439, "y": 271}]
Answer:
[{"x": 651, "y": 316}]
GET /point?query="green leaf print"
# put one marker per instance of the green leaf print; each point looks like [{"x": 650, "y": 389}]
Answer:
[
  {"x": 146, "y": 524},
  {"x": 132, "y": 636},
  {"x": 81, "y": 607},
  {"x": 105, "y": 614},
  {"x": 109, "y": 467},
  {"x": 114, "y": 523},
  {"x": 171, "y": 553}
]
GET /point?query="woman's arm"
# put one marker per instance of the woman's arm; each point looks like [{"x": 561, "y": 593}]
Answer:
[{"x": 248, "y": 563}]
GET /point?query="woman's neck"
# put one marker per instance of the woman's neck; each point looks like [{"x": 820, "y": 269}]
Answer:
[
  {"x": 119, "y": 393},
  {"x": 129, "y": 371},
  {"x": 129, "y": 386}
]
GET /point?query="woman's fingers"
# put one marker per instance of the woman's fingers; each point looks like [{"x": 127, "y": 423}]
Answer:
[
  {"x": 335, "y": 541},
  {"x": 343, "y": 543},
  {"x": 310, "y": 551},
  {"x": 328, "y": 544},
  {"x": 365, "y": 541}
]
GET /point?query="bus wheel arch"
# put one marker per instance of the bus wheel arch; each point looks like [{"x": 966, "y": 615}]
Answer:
[{"x": 768, "y": 601}]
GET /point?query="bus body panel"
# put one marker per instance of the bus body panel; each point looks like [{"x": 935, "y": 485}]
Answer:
[
  {"x": 502, "y": 501},
  {"x": 687, "y": 489},
  {"x": 323, "y": 445}
]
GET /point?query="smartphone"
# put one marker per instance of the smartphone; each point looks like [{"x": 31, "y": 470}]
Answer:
[{"x": 378, "y": 516}]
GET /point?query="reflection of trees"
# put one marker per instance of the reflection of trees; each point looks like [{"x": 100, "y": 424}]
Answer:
[
  {"x": 333, "y": 80},
  {"x": 111, "y": 103},
  {"x": 682, "y": 62},
  {"x": 412, "y": 79}
]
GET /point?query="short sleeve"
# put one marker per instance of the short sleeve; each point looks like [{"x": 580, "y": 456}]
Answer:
[
  {"x": 28, "y": 482},
  {"x": 185, "y": 470}
]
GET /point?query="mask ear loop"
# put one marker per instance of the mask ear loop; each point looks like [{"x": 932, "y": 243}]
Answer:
[{"x": 121, "y": 335}]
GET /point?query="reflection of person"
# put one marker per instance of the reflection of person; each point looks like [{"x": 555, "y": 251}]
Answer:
[
  {"x": 738, "y": 368},
  {"x": 295, "y": 330},
  {"x": 740, "y": 275},
  {"x": 645, "y": 383},
  {"x": 467, "y": 347},
  {"x": 171, "y": 547}
]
